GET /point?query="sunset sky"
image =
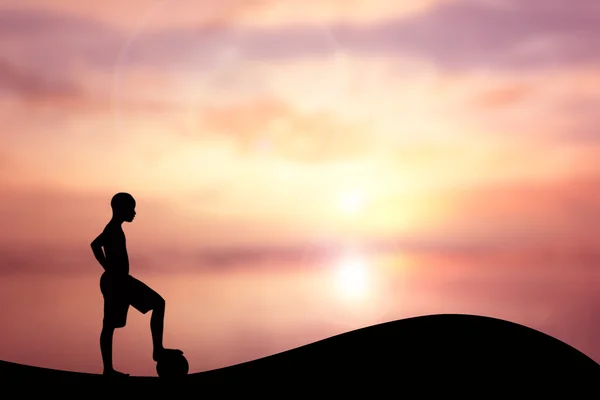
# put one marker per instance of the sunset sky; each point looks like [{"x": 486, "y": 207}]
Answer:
[{"x": 301, "y": 169}]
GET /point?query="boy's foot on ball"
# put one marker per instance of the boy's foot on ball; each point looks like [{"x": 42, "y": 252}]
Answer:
[{"x": 159, "y": 354}]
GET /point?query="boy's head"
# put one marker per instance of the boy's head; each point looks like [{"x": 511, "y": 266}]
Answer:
[{"x": 123, "y": 206}]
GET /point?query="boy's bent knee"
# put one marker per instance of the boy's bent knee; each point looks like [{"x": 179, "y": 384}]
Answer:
[{"x": 160, "y": 302}]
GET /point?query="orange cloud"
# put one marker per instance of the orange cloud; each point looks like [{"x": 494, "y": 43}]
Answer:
[
  {"x": 508, "y": 95},
  {"x": 267, "y": 125}
]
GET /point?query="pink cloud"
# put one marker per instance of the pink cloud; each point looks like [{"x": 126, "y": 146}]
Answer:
[{"x": 453, "y": 35}]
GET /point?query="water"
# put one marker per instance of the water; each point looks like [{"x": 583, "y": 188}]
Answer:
[{"x": 222, "y": 317}]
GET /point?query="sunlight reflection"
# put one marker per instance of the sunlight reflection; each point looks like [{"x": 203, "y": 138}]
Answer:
[{"x": 353, "y": 277}]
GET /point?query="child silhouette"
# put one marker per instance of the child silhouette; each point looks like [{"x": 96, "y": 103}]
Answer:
[{"x": 120, "y": 290}]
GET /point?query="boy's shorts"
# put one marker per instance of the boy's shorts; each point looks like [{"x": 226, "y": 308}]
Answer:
[{"x": 120, "y": 292}]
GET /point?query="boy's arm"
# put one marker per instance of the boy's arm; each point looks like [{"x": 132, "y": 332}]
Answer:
[{"x": 97, "y": 249}]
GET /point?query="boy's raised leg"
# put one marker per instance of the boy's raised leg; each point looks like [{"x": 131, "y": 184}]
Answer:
[{"x": 157, "y": 322}]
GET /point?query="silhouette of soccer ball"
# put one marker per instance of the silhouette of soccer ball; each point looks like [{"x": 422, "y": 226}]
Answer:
[{"x": 172, "y": 366}]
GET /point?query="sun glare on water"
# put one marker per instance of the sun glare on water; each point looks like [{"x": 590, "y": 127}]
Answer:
[{"x": 352, "y": 277}]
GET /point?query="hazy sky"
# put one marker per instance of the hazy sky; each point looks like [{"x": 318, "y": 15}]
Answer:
[{"x": 257, "y": 129}]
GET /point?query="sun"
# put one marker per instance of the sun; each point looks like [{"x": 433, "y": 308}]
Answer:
[
  {"x": 352, "y": 277},
  {"x": 352, "y": 202}
]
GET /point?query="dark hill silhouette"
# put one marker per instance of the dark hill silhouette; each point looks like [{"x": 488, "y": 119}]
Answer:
[{"x": 448, "y": 353}]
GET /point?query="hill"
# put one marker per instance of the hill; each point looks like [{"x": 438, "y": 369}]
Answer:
[{"x": 448, "y": 352}]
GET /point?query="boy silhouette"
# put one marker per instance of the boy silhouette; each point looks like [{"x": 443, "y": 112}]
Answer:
[{"x": 120, "y": 290}]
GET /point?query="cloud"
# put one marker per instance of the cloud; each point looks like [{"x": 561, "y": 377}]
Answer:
[
  {"x": 503, "y": 95},
  {"x": 457, "y": 35},
  {"x": 18, "y": 83},
  {"x": 164, "y": 14},
  {"x": 54, "y": 43},
  {"x": 273, "y": 127},
  {"x": 83, "y": 93},
  {"x": 474, "y": 34},
  {"x": 454, "y": 35}
]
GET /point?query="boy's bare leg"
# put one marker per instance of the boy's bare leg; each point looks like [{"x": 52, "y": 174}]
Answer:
[
  {"x": 106, "y": 342},
  {"x": 157, "y": 322}
]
